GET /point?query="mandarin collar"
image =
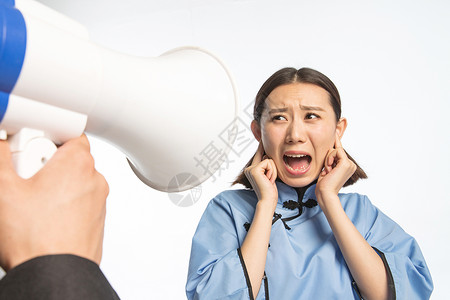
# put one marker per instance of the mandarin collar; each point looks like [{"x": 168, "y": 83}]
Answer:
[
  {"x": 286, "y": 192},
  {"x": 292, "y": 216}
]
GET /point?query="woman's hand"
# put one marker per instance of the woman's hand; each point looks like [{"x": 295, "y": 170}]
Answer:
[
  {"x": 364, "y": 263},
  {"x": 338, "y": 168},
  {"x": 262, "y": 174}
]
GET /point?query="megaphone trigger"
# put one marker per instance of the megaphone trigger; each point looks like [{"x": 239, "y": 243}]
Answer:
[{"x": 30, "y": 151}]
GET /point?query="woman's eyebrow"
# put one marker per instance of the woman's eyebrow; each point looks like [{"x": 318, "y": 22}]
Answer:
[
  {"x": 275, "y": 110},
  {"x": 302, "y": 107},
  {"x": 307, "y": 107}
]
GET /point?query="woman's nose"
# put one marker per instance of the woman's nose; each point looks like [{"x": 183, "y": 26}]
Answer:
[{"x": 295, "y": 133}]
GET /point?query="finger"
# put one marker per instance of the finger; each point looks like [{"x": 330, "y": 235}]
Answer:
[
  {"x": 84, "y": 142},
  {"x": 76, "y": 148},
  {"x": 258, "y": 155},
  {"x": 274, "y": 171},
  {"x": 81, "y": 141},
  {"x": 330, "y": 160},
  {"x": 269, "y": 171},
  {"x": 336, "y": 158},
  {"x": 73, "y": 154},
  {"x": 328, "y": 165},
  {"x": 338, "y": 146},
  {"x": 337, "y": 142},
  {"x": 331, "y": 157}
]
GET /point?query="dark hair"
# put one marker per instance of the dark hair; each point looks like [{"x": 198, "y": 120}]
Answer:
[{"x": 303, "y": 75}]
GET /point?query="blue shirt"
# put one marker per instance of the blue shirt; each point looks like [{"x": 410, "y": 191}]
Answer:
[{"x": 303, "y": 260}]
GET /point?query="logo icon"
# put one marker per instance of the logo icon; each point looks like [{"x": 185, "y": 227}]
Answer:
[{"x": 189, "y": 197}]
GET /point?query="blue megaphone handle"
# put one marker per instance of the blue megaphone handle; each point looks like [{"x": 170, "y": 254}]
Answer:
[{"x": 13, "y": 39}]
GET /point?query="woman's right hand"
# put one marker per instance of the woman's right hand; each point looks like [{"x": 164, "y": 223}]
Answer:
[{"x": 262, "y": 174}]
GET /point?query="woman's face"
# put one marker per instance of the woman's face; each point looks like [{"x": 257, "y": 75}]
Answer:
[{"x": 298, "y": 126}]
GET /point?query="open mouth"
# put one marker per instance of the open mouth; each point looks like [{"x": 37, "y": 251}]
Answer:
[{"x": 297, "y": 163}]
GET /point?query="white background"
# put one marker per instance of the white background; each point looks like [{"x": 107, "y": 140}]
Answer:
[{"x": 391, "y": 63}]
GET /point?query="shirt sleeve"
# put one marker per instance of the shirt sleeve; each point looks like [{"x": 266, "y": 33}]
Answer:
[
  {"x": 55, "y": 277},
  {"x": 406, "y": 266},
  {"x": 215, "y": 268}
]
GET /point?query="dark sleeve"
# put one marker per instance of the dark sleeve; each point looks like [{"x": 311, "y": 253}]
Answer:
[{"x": 54, "y": 277}]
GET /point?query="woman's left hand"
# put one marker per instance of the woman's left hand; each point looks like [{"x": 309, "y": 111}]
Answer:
[{"x": 338, "y": 168}]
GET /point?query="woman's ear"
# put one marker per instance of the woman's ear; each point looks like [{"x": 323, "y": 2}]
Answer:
[
  {"x": 256, "y": 129},
  {"x": 341, "y": 126}
]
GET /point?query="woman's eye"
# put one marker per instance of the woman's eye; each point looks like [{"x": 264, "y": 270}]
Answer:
[
  {"x": 311, "y": 116},
  {"x": 279, "y": 118}
]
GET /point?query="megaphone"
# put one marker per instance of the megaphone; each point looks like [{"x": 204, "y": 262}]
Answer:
[{"x": 166, "y": 114}]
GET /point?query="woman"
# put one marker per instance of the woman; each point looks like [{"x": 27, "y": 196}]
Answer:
[{"x": 272, "y": 239}]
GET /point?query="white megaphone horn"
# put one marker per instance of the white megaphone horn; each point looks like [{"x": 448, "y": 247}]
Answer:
[{"x": 167, "y": 114}]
